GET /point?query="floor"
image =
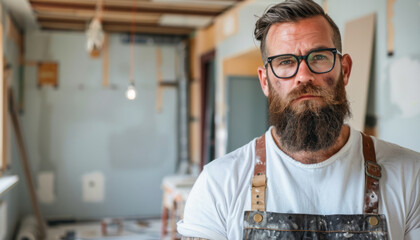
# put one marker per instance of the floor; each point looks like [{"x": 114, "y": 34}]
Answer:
[{"x": 128, "y": 230}]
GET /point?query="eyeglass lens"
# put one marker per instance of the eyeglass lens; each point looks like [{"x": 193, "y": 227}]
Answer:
[{"x": 318, "y": 61}]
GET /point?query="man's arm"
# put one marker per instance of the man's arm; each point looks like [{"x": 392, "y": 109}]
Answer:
[
  {"x": 413, "y": 223},
  {"x": 204, "y": 210},
  {"x": 413, "y": 235}
]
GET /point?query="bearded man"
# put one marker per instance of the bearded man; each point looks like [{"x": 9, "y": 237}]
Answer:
[{"x": 310, "y": 176}]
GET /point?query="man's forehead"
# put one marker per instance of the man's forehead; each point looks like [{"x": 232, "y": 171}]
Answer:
[{"x": 314, "y": 30}]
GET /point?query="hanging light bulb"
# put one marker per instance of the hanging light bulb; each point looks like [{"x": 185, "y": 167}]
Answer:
[{"x": 131, "y": 92}]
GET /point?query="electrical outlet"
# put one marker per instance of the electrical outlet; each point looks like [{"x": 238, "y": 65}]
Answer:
[{"x": 93, "y": 187}]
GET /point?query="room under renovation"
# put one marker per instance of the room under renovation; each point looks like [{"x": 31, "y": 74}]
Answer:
[{"x": 136, "y": 119}]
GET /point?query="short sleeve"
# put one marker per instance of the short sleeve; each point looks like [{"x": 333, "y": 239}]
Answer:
[
  {"x": 413, "y": 234},
  {"x": 413, "y": 218},
  {"x": 204, "y": 213}
]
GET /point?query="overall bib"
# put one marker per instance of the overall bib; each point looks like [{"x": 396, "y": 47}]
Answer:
[{"x": 259, "y": 224}]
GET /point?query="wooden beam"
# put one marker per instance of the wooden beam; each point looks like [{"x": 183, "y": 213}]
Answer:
[
  {"x": 107, "y": 18},
  {"x": 63, "y": 26},
  {"x": 86, "y": 14},
  {"x": 141, "y": 7},
  {"x": 148, "y": 29},
  {"x": 81, "y": 26}
]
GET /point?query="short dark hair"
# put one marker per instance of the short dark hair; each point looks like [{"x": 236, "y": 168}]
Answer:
[{"x": 291, "y": 11}]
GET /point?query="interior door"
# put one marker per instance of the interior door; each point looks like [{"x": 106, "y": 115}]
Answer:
[{"x": 247, "y": 111}]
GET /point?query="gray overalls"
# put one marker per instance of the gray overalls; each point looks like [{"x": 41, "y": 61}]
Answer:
[{"x": 259, "y": 224}]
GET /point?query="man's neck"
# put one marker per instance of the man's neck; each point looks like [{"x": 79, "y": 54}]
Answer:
[{"x": 308, "y": 157}]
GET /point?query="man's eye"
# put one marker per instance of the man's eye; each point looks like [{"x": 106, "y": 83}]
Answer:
[
  {"x": 286, "y": 62},
  {"x": 320, "y": 57}
]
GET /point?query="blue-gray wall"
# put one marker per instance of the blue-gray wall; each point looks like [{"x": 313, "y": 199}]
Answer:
[{"x": 81, "y": 127}]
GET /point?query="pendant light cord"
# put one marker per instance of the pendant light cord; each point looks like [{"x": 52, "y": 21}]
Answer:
[
  {"x": 132, "y": 43},
  {"x": 99, "y": 9}
]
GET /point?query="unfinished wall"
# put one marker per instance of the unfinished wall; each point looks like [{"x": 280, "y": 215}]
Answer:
[
  {"x": 393, "y": 97},
  {"x": 13, "y": 198},
  {"x": 393, "y": 93},
  {"x": 94, "y": 153},
  {"x": 242, "y": 42}
]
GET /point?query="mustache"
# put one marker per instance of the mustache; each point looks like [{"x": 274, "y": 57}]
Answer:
[{"x": 308, "y": 88}]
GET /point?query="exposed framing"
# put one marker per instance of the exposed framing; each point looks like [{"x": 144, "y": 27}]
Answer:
[{"x": 3, "y": 109}]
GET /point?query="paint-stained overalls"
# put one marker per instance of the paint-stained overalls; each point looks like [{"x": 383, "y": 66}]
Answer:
[{"x": 259, "y": 224}]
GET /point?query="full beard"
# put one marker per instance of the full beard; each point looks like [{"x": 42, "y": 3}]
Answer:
[{"x": 309, "y": 125}]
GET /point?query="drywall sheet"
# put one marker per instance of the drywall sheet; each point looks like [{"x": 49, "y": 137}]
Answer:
[
  {"x": 358, "y": 42},
  {"x": 45, "y": 189},
  {"x": 404, "y": 77},
  {"x": 93, "y": 187}
]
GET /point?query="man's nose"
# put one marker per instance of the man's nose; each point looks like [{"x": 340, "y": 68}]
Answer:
[{"x": 304, "y": 74}]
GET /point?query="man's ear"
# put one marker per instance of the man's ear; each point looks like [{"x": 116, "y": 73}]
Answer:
[
  {"x": 262, "y": 75},
  {"x": 346, "y": 64}
]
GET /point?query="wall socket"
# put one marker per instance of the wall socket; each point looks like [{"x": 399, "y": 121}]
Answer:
[{"x": 93, "y": 187}]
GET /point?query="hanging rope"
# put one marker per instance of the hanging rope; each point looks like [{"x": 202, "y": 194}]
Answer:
[
  {"x": 99, "y": 10},
  {"x": 132, "y": 42}
]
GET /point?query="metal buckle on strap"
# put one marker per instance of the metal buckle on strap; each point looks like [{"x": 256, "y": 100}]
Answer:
[{"x": 373, "y": 170}]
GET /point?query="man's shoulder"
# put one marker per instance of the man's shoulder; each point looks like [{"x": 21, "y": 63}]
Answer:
[
  {"x": 392, "y": 154},
  {"x": 239, "y": 156},
  {"x": 387, "y": 149}
]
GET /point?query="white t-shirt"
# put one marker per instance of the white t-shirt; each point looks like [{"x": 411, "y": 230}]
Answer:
[{"x": 216, "y": 204}]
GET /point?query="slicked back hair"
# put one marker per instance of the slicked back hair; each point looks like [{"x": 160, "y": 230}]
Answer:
[{"x": 291, "y": 11}]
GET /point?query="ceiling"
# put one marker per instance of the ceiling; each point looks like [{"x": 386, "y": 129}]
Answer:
[{"x": 178, "y": 17}]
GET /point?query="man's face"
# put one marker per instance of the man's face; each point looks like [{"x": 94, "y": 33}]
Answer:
[
  {"x": 302, "y": 107},
  {"x": 299, "y": 38}
]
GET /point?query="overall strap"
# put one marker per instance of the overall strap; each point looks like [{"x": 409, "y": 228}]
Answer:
[
  {"x": 372, "y": 176},
  {"x": 259, "y": 180}
]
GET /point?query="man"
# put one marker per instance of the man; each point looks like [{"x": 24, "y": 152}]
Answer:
[{"x": 310, "y": 176}]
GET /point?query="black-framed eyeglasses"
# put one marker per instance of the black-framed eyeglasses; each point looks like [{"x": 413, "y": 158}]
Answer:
[{"x": 318, "y": 60}]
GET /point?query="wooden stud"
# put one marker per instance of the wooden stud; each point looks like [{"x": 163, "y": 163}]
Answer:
[
  {"x": 159, "y": 79},
  {"x": 13, "y": 32},
  {"x": 2, "y": 109},
  {"x": 26, "y": 168},
  {"x": 390, "y": 27},
  {"x": 5, "y": 126},
  {"x": 105, "y": 62}
]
